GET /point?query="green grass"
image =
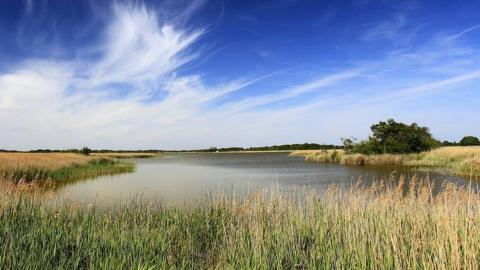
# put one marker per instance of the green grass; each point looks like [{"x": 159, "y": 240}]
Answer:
[
  {"x": 92, "y": 168},
  {"x": 377, "y": 228}
]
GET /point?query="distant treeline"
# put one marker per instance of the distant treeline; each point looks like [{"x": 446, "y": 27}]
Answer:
[
  {"x": 465, "y": 141},
  {"x": 283, "y": 147},
  {"x": 390, "y": 133}
]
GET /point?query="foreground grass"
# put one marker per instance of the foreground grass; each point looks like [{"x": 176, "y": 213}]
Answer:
[
  {"x": 382, "y": 227},
  {"x": 28, "y": 167},
  {"x": 460, "y": 160}
]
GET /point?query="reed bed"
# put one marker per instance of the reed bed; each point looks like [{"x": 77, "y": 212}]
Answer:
[
  {"x": 463, "y": 160},
  {"x": 383, "y": 159},
  {"x": 323, "y": 155},
  {"x": 28, "y": 167},
  {"x": 13, "y": 161},
  {"x": 307, "y": 152},
  {"x": 390, "y": 225}
]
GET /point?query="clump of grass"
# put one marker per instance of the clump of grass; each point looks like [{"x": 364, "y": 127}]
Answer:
[
  {"x": 27, "y": 167},
  {"x": 308, "y": 152},
  {"x": 384, "y": 159},
  {"x": 385, "y": 226},
  {"x": 325, "y": 156},
  {"x": 468, "y": 167}
]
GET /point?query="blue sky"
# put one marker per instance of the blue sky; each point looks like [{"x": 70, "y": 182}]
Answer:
[{"x": 194, "y": 74}]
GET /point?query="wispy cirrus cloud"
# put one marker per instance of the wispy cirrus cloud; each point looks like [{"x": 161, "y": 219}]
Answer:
[
  {"x": 389, "y": 29},
  {"x": 294, "y": 91},
  {"x": 463, "y": 32}
]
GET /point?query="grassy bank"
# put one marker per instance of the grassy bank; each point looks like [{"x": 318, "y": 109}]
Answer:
[
  {"x": 376, "y": 228},
  {"x": 460, "y": 160},
  {"x": 27, "y": 167},
  {"x": 463, "y": 160}
]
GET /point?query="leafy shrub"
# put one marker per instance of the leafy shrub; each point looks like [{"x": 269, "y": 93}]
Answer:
[
  {"x": 85, "y": 151},
  {"x": 469, "y": 140},
  {"x": 396, "y": 138}
]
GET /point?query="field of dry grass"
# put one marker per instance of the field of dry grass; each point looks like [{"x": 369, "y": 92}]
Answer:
[
  {"x": 13, "y": 161},
  {"x": 28, "y": 167}
]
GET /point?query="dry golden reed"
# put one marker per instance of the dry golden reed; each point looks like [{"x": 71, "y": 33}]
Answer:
[
  {"x": 31, "y": 167},
  {"x": 13, "y": 161}
]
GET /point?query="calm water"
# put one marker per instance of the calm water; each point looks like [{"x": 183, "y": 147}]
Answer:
[{"x": 176, "y": 177}]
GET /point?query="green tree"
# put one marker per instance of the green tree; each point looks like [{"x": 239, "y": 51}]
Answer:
[
  {"x": 348, "y": 145},
  {"x": 469, "y": 140},
  {"x": 397, "y": 138},
  {"x": 85, "y": 150},
  {"x": 447, "y": 143}
]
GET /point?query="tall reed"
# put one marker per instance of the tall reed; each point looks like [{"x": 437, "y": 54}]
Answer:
[{"x": 386, "y": 226}]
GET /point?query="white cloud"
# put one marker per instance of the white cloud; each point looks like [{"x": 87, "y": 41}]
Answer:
[
  {"x": 49, "y": 103},
  {"x": 139, "y": 49},
  {"x": 128, "y": 93}
]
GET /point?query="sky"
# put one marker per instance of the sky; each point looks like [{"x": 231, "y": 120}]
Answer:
[{"x": 198, "y": 74}]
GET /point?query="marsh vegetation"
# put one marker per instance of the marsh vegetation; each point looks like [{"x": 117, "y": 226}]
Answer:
[
  {"x": 389, "y": 225},
  {"x": 28, "y": 167},
  {"x": 459, "y": 160}
]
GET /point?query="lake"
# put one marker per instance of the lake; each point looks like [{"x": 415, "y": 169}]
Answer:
[{"x": 178, "y": 177}]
